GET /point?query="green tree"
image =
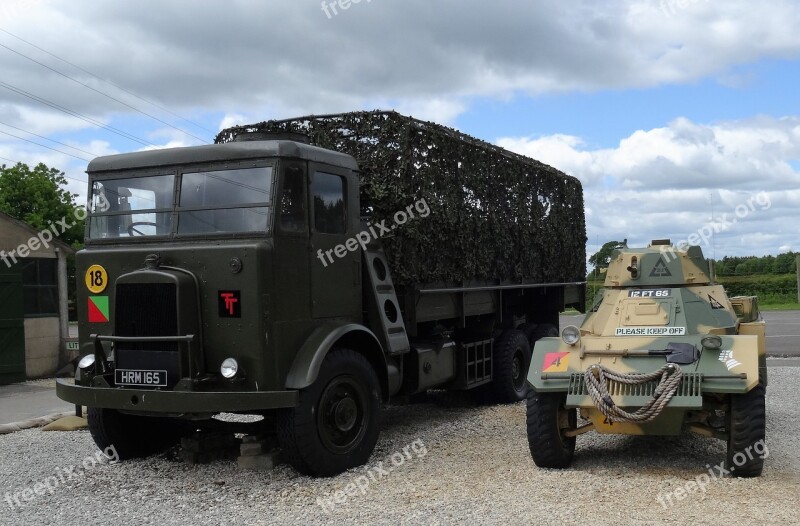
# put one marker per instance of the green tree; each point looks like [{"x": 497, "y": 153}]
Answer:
[
  {"x": 724, "y": 267},
  {"x": 783, "y": 263},
  {"x": 602, "y": 258},
  {"x": 745, "y": 268},
  {"x": 38, "y": 197}
]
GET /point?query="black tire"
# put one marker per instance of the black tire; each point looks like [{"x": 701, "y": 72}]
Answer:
[
  {"x": 545, "y": 330},
  {"x": 746, "y": 430},
  {"x": 511, "y": 359},
  {"x": 547, "y": 417},
  {"x": 131, "y": 436},
  {"x": 530, "y": 332},
  {"x": 336, "y": 423}
]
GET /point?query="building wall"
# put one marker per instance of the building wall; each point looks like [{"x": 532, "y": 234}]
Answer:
[
  {"x": 12, "y": 236},
  {"x": 43, "y": 353},
  {"x": 42, "y": 343}
]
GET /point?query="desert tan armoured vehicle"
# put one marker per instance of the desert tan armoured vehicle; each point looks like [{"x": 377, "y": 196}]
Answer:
[{"x": 663, "y": 350}]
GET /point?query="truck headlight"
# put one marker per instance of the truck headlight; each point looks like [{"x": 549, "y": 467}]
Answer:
[
  {"x": 571, "y": 335},
  {"x": 711, "y": 341},
  {"x": 229, "y": 368},
  {"x": 86, "y": 362}
]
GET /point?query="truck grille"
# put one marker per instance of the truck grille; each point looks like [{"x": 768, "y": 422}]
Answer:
[{"x": 146, "y": 309}]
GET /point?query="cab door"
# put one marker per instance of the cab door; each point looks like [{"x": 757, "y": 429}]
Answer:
[
  {"x": 292, "y": 287},
  {"x": 335, "y": 257}
]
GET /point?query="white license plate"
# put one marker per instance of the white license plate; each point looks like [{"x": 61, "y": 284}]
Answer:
[{"x": 140, "y": 378}]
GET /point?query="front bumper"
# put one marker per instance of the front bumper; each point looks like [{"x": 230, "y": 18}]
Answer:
[
  {"x": 154, "y": 401},
  {"x": 558, "y": 367}
]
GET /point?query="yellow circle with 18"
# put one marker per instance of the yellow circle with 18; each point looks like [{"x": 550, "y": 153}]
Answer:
[{"x": 96, "y": 279}]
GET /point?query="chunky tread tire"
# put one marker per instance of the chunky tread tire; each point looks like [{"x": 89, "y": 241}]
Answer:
[
  {"x": 299, "y": 431},
  {"x": 131, "y": 436},
  {"x": 530, "y": 331},
  {"x": 511, "y": 358},
  {"x": 747, "y": 427},
  {"x": 548, "y": 447},
  {"x": 544, "y": 330}
]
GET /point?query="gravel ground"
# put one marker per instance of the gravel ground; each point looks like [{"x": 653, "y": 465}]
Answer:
[{"x": 461, "y": 465}]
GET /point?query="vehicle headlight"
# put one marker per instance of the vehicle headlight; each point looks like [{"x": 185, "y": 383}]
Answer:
[
  {"x": 86, "y": 362},
  {"x": 229, "y": 368},
  {"x": 711, "y": 341},
  {"x": 571, "y": 335}
]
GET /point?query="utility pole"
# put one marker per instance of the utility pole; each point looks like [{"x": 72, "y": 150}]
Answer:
[{"x": 797, "y": 273}]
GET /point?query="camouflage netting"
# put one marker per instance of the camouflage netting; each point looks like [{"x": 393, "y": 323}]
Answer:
[{"x": 495, "y": 215}]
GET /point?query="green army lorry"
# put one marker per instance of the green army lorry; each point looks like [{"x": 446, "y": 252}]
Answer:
[
  {"x": 309, "y": 270},
  {"x": 662, "y": 351}
]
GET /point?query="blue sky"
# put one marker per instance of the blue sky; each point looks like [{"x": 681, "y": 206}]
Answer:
[
  {"x": 770, "y": 87},
  {"x": 662, "y": 108}
]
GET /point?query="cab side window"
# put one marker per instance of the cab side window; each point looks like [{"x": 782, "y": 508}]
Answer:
[
  {"x": 330, "y": 210},
  {"x": 293, "y": 200}
]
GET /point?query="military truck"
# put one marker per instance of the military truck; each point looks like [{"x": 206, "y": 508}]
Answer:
[
  {"x": 662, "y": 350},
  {"x": 308, "y": 270}
]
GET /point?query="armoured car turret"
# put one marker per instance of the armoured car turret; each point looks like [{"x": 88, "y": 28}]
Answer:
[{"x": 663, "y": 350}]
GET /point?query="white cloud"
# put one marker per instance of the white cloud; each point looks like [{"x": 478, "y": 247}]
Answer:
[
  {"x": 235, "y": 119},
  {"x": 671, "y": 182},
  {"x": 430, "y": 57},
  {"x": 250, "y": 60}
]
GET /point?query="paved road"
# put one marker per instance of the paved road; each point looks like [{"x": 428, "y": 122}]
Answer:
[
  {"x": 783, "y": 332},
  {"x": 20, "y": 402}
]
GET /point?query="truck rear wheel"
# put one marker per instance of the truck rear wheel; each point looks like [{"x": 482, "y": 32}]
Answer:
[
  {"x": 512, "y": 356},
  {"x": 131, "y": 436},
  {"x": 547, "y": 420},
  {"x": 746, "y": 433},
  {"x": 336, "y": 424}
]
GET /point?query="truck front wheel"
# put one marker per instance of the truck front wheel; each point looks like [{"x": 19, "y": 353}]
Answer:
[
  {"x": 548, "y": 419},
  {"x": 131, "y": 436},
  {"x": 335, "y": 425}
]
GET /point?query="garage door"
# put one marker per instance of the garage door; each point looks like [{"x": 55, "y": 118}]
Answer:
[{"x": 12, "y": 328}]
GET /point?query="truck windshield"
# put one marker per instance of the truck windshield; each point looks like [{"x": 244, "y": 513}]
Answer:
[{"x": 207, "y": 202}]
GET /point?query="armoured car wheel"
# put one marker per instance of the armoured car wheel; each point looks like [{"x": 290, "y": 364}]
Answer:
[
  {"x": 131, "y": 436},
  {"x": 547, "y": 419},
  {"x": 512, "y": 356},
  {"x": 746, "y": 433},
  {"x": 335, "y": 426}
]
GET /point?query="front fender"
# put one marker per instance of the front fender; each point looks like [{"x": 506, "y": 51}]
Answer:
[
  {"x": 739, "y": 354},
  {"x": 307, "y": 363}
]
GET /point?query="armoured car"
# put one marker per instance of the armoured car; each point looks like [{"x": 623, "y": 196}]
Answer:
[{"x": 662, "y": 350}]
